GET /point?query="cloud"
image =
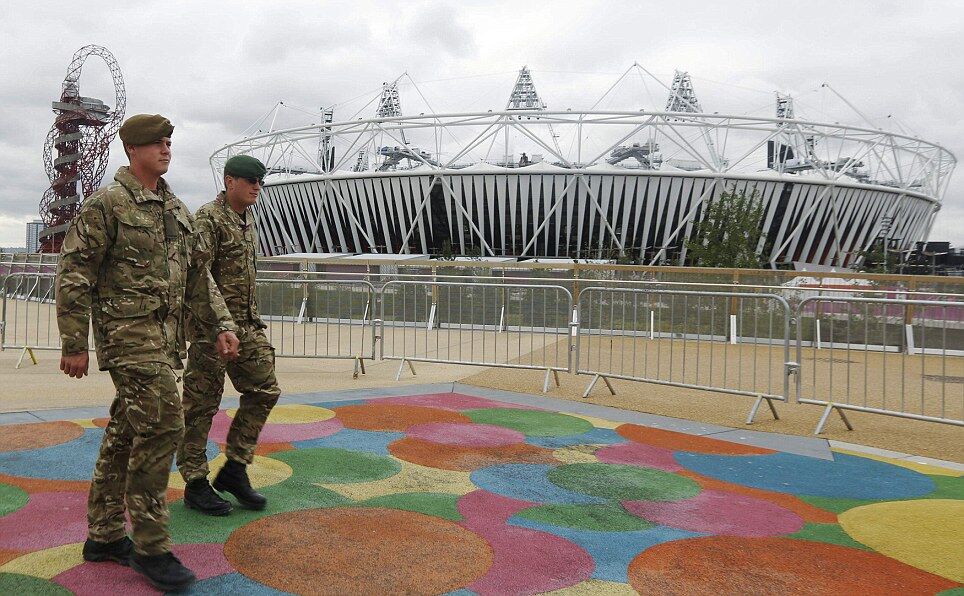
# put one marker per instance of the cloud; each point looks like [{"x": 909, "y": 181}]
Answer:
[{"x": 215, "y": 67}]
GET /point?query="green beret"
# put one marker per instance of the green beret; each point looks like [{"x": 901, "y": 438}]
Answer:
[
  {"x": 144, "y": 129},
  {"x": 244, "y": 166}
]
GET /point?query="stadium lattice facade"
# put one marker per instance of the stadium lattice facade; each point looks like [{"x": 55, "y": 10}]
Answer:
[{"x": 628, "y": 185}]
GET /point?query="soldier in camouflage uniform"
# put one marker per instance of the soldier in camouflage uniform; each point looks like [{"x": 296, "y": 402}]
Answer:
[
  {"x": 227, "y": 225},
  {"x": 132, "y": 262}
]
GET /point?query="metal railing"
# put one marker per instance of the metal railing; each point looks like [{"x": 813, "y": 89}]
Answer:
[
  {"x": 483, "y": 324},
  {"x": 29, "y": 314},
  {"x": 882, "y": 356},
  {"x": 890, "y": 356},
  {"x": 728, "y": 342},
  {"x": 319, "y": 318}
]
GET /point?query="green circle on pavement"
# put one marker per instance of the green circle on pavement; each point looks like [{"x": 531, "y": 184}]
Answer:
[
  {"x": 324, "y": 465},
  {"x": 12, "y": 498},
  {"x": 534, "y": 423},
  {"x": 610, "y": 517},
  {"x": 623, "y": 483}
]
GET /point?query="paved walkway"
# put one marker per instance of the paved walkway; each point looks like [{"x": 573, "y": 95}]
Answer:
[{"x": 451, "y": 488}]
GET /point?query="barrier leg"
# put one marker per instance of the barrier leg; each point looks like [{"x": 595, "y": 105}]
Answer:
[
  {"x": 359, "y": 367},
  {"x": 756, "y": 407},
  {"x": 401, "y": 366},
  {"x": 593, "y": 384},
  {"x": 23, "y": 353},
  {"x": 826, "y": 414},
  {"x": 545, "y": 384}
]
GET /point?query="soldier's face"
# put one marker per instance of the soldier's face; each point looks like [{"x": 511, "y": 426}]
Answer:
[
  {"x": 242, "y": 192},
  {"x": 154, "y": 158}
]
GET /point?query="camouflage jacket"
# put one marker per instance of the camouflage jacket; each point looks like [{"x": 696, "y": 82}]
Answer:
[
  {"x": 233, "y": 244},
  {"x": 133, "y": 261}
]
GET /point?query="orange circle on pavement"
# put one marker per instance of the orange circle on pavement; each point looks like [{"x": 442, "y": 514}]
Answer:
[
  {"x": 358, "y": 551},
  {"x": 675, "y": 441},
  {"x": 732, "y": 565},
  {"x": 393, "y": 417},
  {"x": 19, "y": 437},
  {"x": 467, "y": 459}
]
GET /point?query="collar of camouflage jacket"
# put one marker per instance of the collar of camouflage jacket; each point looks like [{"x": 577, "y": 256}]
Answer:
[
  {"x": 137, "y": 190},
  {"x": 223, "y": 201}
]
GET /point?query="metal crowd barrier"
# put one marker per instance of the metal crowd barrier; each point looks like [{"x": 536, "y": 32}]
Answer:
[
  {"x": 29, "y": 314},
  {"x": 895, "y": 357},
  {"x": 483, "y": 324},
  {"x": 728, "y": 342},
  {"x": 319, "y": 319},
  {"x": 888, "y": 356}
]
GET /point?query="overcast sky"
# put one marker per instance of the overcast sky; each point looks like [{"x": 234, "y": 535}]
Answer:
[{"x": 214, "y": 67}]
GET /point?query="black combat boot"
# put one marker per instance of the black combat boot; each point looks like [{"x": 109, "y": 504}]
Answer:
[
  {"x": 165, "y": 572},
  {"x": 118, "y": 551},
  {"x": 199, "y": 495},
  {"x": 233, "y": 478}
]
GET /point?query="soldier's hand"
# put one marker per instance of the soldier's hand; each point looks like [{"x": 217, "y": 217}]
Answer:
[
  {"x": 75, "y": 365},
  {"x": 227, "y": 345}
]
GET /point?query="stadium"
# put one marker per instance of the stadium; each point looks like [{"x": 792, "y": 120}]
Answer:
[{"x": 525, "y": 181}]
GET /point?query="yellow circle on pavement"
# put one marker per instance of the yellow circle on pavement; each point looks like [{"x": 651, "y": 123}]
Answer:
[
  {"x": 926, "y": 533},
  {"x": 294, "y": 414}
]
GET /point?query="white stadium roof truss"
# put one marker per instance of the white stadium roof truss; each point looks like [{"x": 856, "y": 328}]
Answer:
[{"x": 846, "y": 185}]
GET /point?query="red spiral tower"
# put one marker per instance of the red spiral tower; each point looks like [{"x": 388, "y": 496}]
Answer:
[{"x": 82, "y": 131}]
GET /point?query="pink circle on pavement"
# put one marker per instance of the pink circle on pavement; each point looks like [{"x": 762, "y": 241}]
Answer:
[
  {"x": 718, "y": 512},
  {"x": 638, "y": 454},
  {"x": 47, "y": 520},
  {"x": 466, "y": 434},
  {"x": 276, "y": 433},
  {"x": 205, "y": 560},
  {"x": 524, "y": 561}
]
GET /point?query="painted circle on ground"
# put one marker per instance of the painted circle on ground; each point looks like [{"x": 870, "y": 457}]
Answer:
[
  {"x": 14, "y": 583},
  {"x": 527, "y": 482},
  {"x": 72, "y": 460},
  {"x": 623, "y": 482},
  {"x": 734, "y": 565},
  {"x": 466, "y": 435},
  {"x": 599, "y": 518},
  {"x": 676, "y": 441},
  {"x": 534, "y": 423},
  {"x": 927, "y": 533},
  {"x": 20, "y": 437},
  {"x": 717, "y": 512},
  {"x": 381, "y": 416},
  {"x": 293, "y": 414},
  {"x": 264, "y": 471},
  {"x": 324, "y": 465},
  {"x": 638, "y": 454},
  {"x": 466, "y": 459},
  {"x": 47, "y": 520},
  {"x": 205, "y": 560},
  {"x": 846, "y": 477},
  {"x": 359, "y": 551},
  {"x": 12, "y": 498},
  {"x": 276, "y": 433}
]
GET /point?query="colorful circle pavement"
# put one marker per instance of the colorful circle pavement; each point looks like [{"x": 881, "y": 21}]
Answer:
[{"x": 455, "y": 494}]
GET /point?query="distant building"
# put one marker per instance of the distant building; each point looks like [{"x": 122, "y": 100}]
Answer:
[{"x": 33, "y": 235}]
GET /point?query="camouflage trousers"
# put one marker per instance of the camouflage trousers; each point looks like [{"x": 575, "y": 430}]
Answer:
[
  {"x": 146, "y": 424},
  {"x": 252, "y": 375}
]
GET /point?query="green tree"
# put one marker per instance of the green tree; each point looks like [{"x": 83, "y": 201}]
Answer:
[{"x": 729, "y": 232}]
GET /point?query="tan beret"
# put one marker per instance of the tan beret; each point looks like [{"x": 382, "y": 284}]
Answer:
[{"x": 143, "y": 129}]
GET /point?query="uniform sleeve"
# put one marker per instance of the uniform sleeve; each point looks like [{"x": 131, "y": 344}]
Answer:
[
  {"x": 81, "y": 255},
  {"x": 203, "y": 298}
]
